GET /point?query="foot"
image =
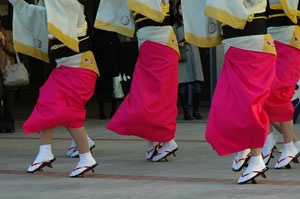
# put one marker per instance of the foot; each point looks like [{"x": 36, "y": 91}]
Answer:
[
  {"x": 152, "y": 150},
  {"x": 167, "y": 149},
  {"x": 268, "y": 148},
  {"x": 255, "y": 168},
  {"x": 39, "y": 164},
  {"x": 71, "y": 150},
  {"x": 82, "y": 168},
  {"x": 286, "y": 157},
  {"x": 241, "y": 160},
  {"x": 75, "y": 152}
]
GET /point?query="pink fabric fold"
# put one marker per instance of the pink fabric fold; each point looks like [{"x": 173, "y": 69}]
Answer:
[
  {"x": 236, "y": 119},
  {"x": 149, "y": 110},
  {"x": 62, "y": 100}
]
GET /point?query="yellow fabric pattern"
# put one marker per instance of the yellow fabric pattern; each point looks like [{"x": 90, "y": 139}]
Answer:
[
  {"x": 31, "y": 51},
  {"x": 88, "y": 61},
  {"x": 290, "y": 9},
  {"x": 149, "y": 8},
  {"x": 66, "y": 39},
  {"x": 268, "y": 45},
  {"x": 295, "y": 39},
  {"x": 225, "y": 17}
]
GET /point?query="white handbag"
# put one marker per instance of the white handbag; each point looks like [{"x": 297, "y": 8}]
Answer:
[
  {"x": 15, "y": 74},
  {"x": 121, "y": 85}
]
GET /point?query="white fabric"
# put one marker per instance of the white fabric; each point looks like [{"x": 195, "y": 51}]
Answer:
[
  {"x": 200, "y": 30},
  {"x": 30, "y": 30},
  {"x": 112, "y": 15},
  {"x": 64, "y": 17}
]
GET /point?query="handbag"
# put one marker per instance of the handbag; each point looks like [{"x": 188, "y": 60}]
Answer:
[
  {"x": 121, "y": 85},
  {"x": 15, "y": 74}
]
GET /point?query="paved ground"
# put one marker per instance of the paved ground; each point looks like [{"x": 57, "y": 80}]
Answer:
[{"x": 123, "y": 172}]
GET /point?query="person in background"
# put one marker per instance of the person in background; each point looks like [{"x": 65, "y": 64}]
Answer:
[
  {"x": 107, "y": 50},
  {"x": 189, "y": 70},
  {"x": 7, "y": 55}
]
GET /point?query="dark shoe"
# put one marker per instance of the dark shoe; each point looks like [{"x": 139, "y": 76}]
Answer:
[
  {"x": 196, "y": 101},
  {"x": 187, "y": 114},
  {"x": 12, "y": 130},
  {"x": 197, "y": 115}
]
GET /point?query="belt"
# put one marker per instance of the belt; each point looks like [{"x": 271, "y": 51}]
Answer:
[
  {"x": 58, "y": 50},
  {"x": 149, "y": 22},
  {"x": 279, "y": 18},
  {"x": 256, "y": 25}
]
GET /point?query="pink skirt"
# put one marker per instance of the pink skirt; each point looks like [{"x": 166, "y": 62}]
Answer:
[
  {"x": 236, "y": 119},
  {"x": 149, "y": 110},
  {"x": 62, "y": 100},
  {"x": 278, "y": 105}
]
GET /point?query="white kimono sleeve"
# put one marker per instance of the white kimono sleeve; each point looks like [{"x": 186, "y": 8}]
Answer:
[{"x": 30, "y": 30}]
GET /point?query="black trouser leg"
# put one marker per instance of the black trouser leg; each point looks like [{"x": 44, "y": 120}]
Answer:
[
  {"x": 8, "y": 104},
  {"x": 196, "y": 101},
  {"x": 185, "y": 107}
]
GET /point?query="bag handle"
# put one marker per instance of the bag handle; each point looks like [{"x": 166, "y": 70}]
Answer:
[{"x": 17, "y": 56}]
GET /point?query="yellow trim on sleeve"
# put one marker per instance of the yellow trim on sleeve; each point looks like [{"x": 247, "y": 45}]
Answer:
[
  {"x": 31, "y": 51},
  {"x": 66, "y": 39}
]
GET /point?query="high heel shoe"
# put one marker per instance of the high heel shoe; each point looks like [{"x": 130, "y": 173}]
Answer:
[
  {"x": 35, "y": 166},
  {"x": 166, "y": 150},
  {"x": 81, "y": 170},
  {"x": 241, "y": 160}
]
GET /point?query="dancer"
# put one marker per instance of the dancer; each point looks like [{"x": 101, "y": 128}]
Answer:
[
  {"x": 149, "y": 110},
  {"x": 236, "y": 119},
  {"x": 283, "y": 24},
  {"x": 70, "y": 85}
]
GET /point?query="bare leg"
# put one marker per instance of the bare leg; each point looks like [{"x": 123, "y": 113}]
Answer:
[
  {"x": 277, "y": 126},
  {"x": 80, "y": 138},
  {"x": 46, "y": 136},
  {"x": 255, "y": 152},
  {"x": 287, "y": 131}
]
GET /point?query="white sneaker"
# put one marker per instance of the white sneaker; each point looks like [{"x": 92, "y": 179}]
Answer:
[
  {"x": 287, "y": 156},
  {"x": 167, "y": 149},
  {"x": 267, "y": 150},
  {"x": 254, "y": 169},
  {"x": 240, "y": 160}
]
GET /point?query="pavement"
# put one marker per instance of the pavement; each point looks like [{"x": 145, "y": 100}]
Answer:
[{"x": 124, "y": 173}]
